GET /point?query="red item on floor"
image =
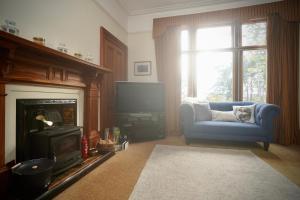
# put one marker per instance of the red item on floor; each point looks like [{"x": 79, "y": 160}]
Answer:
[{"x": 84, "y": 147}]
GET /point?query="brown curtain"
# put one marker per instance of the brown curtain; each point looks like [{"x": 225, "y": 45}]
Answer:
[
  {"x": 288, "y": 9},
  {"x": 283, "y": 52},
  {"x": 167, "y": 49}
]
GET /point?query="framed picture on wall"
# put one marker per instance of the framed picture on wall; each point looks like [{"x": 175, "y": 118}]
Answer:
[{"x": 142, "y": 68}]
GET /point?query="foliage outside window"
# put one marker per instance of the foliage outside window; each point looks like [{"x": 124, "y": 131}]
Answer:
[
  {"x": 254, "y": 57},
  {"x": 227, "y": 62}
]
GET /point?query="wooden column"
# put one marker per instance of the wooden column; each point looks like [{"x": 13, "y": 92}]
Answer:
[
  {"x": 91, "y": 103},
  {"x": 5, "y": 177}
]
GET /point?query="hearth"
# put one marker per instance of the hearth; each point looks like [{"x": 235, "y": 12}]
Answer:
[{"x": 47, "y": 128}]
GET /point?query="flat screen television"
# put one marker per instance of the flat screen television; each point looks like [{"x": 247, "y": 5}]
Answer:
[{"x": 139, "y": 97}]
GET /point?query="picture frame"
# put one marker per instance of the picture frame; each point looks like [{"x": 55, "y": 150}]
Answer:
[{"x": 142, "y": 68}]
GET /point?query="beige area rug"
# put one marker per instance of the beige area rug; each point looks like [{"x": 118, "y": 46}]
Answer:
[{"x": 194, "y": 173}]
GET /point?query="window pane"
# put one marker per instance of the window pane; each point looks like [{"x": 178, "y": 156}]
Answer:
[
  {"x": 184, "y": 75},
  {"x": 254, "y": 34},
  {"x": 254, "y": 75},
  {"x": 185, "y": 40},
  {"x": 214, "y": 38},
  {"x": 214, "y": 76}
]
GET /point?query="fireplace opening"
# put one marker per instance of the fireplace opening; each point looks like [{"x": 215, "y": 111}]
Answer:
[{"x": 47, "y": 128}]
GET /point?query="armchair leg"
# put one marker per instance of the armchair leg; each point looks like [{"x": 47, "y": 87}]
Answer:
[{"x": 266, "y": 146}]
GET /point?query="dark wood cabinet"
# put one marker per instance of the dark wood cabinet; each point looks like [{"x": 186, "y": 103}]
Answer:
[{"x": 142, "y": 126}]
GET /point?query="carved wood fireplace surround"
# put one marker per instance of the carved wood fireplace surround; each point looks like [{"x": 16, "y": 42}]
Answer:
[{"x": 24, "y": 62}]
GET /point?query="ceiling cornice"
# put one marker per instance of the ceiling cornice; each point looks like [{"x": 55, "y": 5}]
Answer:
[
  {"x": 177, "y": 6},
  {"x": 188, "y": 5},
  {"x": 123, "y": 7},
  {"x": 117, "y": 12},
  {"x": 143, "y": 23},
  {"x": 141, "y": 20}
]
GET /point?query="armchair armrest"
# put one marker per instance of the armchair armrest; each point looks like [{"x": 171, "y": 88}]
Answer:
[
  {"x": 265, "y": 113},
  {"x": 187, "y": 116}
]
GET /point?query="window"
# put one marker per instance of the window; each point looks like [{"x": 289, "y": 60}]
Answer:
[
  {"x": 254, "y": 75},
  {"x": 254, "y": 34},
  {"x": 254, "y": 62},
  {"x": 184, "y": 63},
  {"x": 225, "y": 67},
  {"x": 214, "y": 76},
  {"x": 214, "y": 63},
  {"x": 214, "y": 38}
]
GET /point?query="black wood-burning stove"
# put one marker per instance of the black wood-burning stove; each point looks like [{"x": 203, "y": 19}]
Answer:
[{"x": 36, "y": 139}]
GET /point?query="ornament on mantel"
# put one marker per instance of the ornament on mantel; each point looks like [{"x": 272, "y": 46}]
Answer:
[
  {"x": 78, "y": 55},
  {"x": 62, "y": 48},
  {"x": 89, "y": 58},
  {"x": 10, "y": 27},
  {"x": 39, "y": 40}
]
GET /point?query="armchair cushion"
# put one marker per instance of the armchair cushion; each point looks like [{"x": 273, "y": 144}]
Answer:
[
  {"x": 223, "y": 116},
  {"x": 202, "y": 112},
  {"x": 244, "y": 113}
]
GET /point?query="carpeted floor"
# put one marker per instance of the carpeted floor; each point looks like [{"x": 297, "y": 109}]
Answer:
[
  {"x": 178, "y": 172},
  {"x": 115, "y": 179}
]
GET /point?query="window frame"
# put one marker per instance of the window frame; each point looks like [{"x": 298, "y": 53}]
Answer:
[
  {"x": 237, "y": 51},
  {"x": 192, "y": 51},
  {"x": 239, "y": 58}
]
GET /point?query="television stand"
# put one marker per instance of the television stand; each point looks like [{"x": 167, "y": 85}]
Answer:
[{"x": 142, "y": 126}]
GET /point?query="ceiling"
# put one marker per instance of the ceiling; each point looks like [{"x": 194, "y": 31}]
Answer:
[{"x": 140, "y": 7}]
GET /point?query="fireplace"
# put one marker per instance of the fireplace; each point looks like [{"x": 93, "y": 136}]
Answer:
[
  {"x": 37, "y": 139},
  {"x": 53, "y": 75}
]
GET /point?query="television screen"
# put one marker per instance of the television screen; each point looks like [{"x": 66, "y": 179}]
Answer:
[{"x": 135, "y": 97}]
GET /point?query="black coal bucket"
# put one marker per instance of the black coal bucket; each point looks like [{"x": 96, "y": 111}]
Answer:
[{"x": 32, "y": 177}]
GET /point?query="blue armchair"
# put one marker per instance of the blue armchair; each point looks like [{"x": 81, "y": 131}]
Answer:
[{"x": 260, "y": 131}]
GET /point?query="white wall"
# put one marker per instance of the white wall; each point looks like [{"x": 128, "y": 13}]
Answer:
[
  {"x": 141, "y": 48},
  {"x": 73, "y": 22},
  {"x": 33, "y": 92},
  {"x": 114, "y": 9}
]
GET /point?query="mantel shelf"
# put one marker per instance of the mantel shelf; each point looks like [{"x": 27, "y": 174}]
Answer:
[{"x": 15, "y": 43}]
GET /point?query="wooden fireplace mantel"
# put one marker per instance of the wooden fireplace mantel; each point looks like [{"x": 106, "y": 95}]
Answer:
[
  {"x": 26, "y": 61},
  {"x": 23, "y": 61}
]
